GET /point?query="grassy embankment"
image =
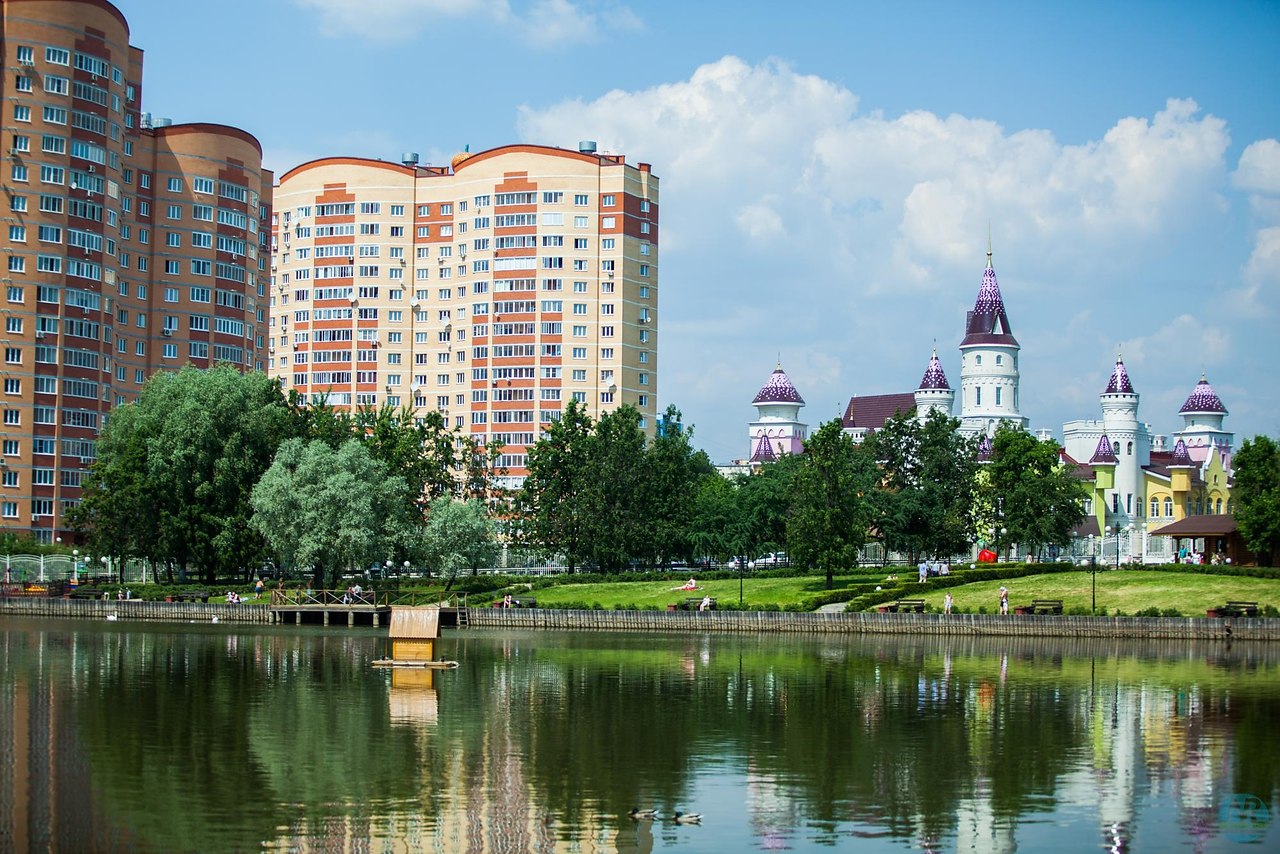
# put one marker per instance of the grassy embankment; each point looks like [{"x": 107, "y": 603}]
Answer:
[{"x": 1122, "y": 592}]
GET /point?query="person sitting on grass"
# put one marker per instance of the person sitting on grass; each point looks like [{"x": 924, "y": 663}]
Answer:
[{"x": 688, "y": 585}]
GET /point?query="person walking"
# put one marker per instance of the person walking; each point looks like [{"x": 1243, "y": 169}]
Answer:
[
  {"x": 946, "y": 603},
  {"x": 1004, "y": 600}
]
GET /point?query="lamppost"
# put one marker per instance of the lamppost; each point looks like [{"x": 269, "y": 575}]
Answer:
[
  {"x": 406, "y": 568},
  {"x": 1093, "y": 570},
  {"x": 742, "y": 565},
  {"x": 387, "y": 572},
  {"x": 1003, "y": 532},
  {"x": 1133, "y": 529},
  {"x": 75, "y": 567},
  {"x": 106, "y": 567}
]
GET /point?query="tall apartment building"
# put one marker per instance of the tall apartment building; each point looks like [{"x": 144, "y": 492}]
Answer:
[
  {"x": 493, "y": 290},
  {"x": 131, "y": 247}
]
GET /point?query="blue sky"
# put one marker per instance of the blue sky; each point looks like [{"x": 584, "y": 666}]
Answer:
[{"x": 830, "y": 171}]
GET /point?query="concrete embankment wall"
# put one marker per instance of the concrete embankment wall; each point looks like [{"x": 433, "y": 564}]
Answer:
[
  {"x": 134, "y": 609},
  {"x": 1174, "y": 628}
]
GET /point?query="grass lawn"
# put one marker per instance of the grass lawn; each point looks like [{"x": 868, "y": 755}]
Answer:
[{"x": 1126, "y": 591}]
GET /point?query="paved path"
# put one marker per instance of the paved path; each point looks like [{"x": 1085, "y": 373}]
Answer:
[{"x": 834, "y": 606}]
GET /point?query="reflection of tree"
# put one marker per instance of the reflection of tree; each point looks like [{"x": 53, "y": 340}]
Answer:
[{"x": 214, "y": 764}]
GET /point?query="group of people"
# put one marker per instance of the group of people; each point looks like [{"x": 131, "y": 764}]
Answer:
[
  {"x": 932, "y": 567},
  {"x": 352, "y": 594}
]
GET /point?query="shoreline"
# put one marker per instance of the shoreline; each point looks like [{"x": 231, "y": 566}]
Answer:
[{"x": 1259, "y": 629}]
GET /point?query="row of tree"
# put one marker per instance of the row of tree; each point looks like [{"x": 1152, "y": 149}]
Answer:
[{"x": 213, "y": 472}]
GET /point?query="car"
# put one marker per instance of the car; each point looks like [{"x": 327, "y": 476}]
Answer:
[{"x": 772, "y": 559}]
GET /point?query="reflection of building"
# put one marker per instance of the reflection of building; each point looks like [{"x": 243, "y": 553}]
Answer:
[
  {"x": 132, "y": 247},
  {"x": 492, "y": 291}
]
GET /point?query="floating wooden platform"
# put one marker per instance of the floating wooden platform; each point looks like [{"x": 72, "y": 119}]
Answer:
[{"x": 435, "y": 665}]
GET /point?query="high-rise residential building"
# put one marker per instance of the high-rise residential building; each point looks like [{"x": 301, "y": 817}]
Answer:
[
  {"x": 131, "y": 245},
  {"x": 493, "y": 290}
]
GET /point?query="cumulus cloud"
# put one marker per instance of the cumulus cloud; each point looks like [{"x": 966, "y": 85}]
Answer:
[
  {"x": 864, "y": 234},
  {"x": 1259, "y": 168},
  {"x": 541, "y": 24}
]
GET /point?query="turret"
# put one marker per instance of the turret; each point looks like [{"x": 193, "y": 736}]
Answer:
[
  {"x": 934, "y": 393},
  {"x": 988, "y": 363},
  {"x": 1202, "y": 417},
  {"x": 777, "y": 421}
]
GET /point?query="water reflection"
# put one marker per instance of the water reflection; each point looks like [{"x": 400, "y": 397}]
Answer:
[{"x": 217, "y": 738}]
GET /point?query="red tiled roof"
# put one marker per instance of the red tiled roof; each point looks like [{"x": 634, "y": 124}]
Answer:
[{"x": 873, "y": 410}]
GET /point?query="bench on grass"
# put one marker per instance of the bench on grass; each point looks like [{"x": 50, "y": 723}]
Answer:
[
  {"x": 1234, "y": 609},
  {"x": 192, "y": 596},
  {"x": 1040, "y": 606},
  {"x": 902, "y": 605}
]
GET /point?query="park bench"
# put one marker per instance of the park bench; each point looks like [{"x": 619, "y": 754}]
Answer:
[
  {"x": 903, "y": 605},
  {"x": 85, "y": 592},
  {"x": 1040, "y": 606},
  {"x": 1234, "y": 609},
  {"x": 193, "y": 596},
  {"x": 694, "y": 603}
]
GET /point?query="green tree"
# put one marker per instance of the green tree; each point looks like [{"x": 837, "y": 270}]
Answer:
[
  {"x": 1255, "y": 493},
  {"x": 175, "y": 469},
  {"x": 832, "y": 504},
  {"x": 418, "y": 449},
  {"x": 458, "y": 535},
  {"x": 930, "y": 470},
  {"x": 762, "y": 502},
  {"x": 551, "y": 511},
  {"x": 616, "y": 490},
  {"x": 1041, "y": 500},
  {"x": 329, "y": 511},
  {"x": 672, "y": 472}
]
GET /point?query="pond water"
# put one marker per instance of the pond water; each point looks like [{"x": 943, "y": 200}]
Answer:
[{"x": 220, "y": 738}]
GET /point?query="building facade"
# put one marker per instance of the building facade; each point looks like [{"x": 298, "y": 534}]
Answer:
[
  {"x": 493, "y": 290},
  {"x": 131, "y": 247}
]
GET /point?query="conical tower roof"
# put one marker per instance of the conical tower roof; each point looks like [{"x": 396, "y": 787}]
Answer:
[
  {"x": 984, "y": 448},
  {"x": 934, "y": 378},
  {"x": 778, "y": 389},
  {"x": 1203, "y": 399},
  {"x": 1180, "y": 455},
  {"x": 1103, "y": 455},
  {"x": 1119, "y": 383},
  {"x": 988, "y": 323},
  {"x": 763, "y": 452}
]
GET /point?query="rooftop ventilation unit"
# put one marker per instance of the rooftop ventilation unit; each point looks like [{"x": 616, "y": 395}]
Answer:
[
  {"x": 409, "y": 158},
  {"x": 587, "y": 146}
]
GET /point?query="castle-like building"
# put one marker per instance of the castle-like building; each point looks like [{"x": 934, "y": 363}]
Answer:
[{"x": 1138, "y": 483}]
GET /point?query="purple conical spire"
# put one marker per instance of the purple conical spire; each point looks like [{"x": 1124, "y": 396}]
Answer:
[
  {"x": 1119, "y": 380},
  {"x": 988, "y": 323},
  {"x": 934, "y": 378},
  {"x": 1203, "y": 399},
  {"x": 764, "y": 451},
  {"x": 778, "y": 389},
  {"x": 1104, "y": 454},
  {"x": 1180, "y": 455}
]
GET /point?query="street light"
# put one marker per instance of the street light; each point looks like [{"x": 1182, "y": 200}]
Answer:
[
  {"x": 1117, "y": 530},
  {"x": 1093, "y": 570},
  {"x": 1003, "y": 532},
  {"x": 106, "y": 567},
  {"x": 75, "y": 567},
  {"x": 406, "y": 567}
]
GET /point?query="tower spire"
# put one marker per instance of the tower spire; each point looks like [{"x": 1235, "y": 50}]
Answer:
[{"x": 988, "y": 244}]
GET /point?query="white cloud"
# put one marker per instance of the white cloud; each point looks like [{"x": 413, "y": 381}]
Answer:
[
  {"x": 541, "y": 24},
  {"x": 864, "y": 235},
  {"x": 1259, "y": 168}
]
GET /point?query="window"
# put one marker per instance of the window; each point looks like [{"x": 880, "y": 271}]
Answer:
[
  {"x": 977, "y": 393},
  {"x": 608, "y": 200},
  {"x": 998, "y": 388},
  {"x": 1168, "y": 507}
]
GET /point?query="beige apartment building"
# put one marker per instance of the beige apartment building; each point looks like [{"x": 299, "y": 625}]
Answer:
[
  {"x": 493, "y": 290},
  {"x": 131, "y": 246}
]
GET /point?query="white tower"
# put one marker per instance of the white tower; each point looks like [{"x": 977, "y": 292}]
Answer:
[
  {"x": 1202, "y": 428},
  {"x": 1130, "y": 443},
  {"x": 988, "y": 364},
  {"x": 777, "y": 429},
  {"x": 934, "y": 392}
]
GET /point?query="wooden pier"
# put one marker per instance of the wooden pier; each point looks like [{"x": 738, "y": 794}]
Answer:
[{"x": 366, "y": 608}]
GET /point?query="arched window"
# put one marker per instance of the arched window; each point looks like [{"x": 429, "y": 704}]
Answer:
[
  {"x": 1168, "y": 507},
  {"x": 1219, "y": 506},
  {"x": 1115, "y": 448},
  {"x": 1155, "y": 507},
  {"x": 977, "y": 360},
  {"x": 1199, "y": 506},
  {"x": 999, "y": 360},
  {"x": 1129, "y": 451}
]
